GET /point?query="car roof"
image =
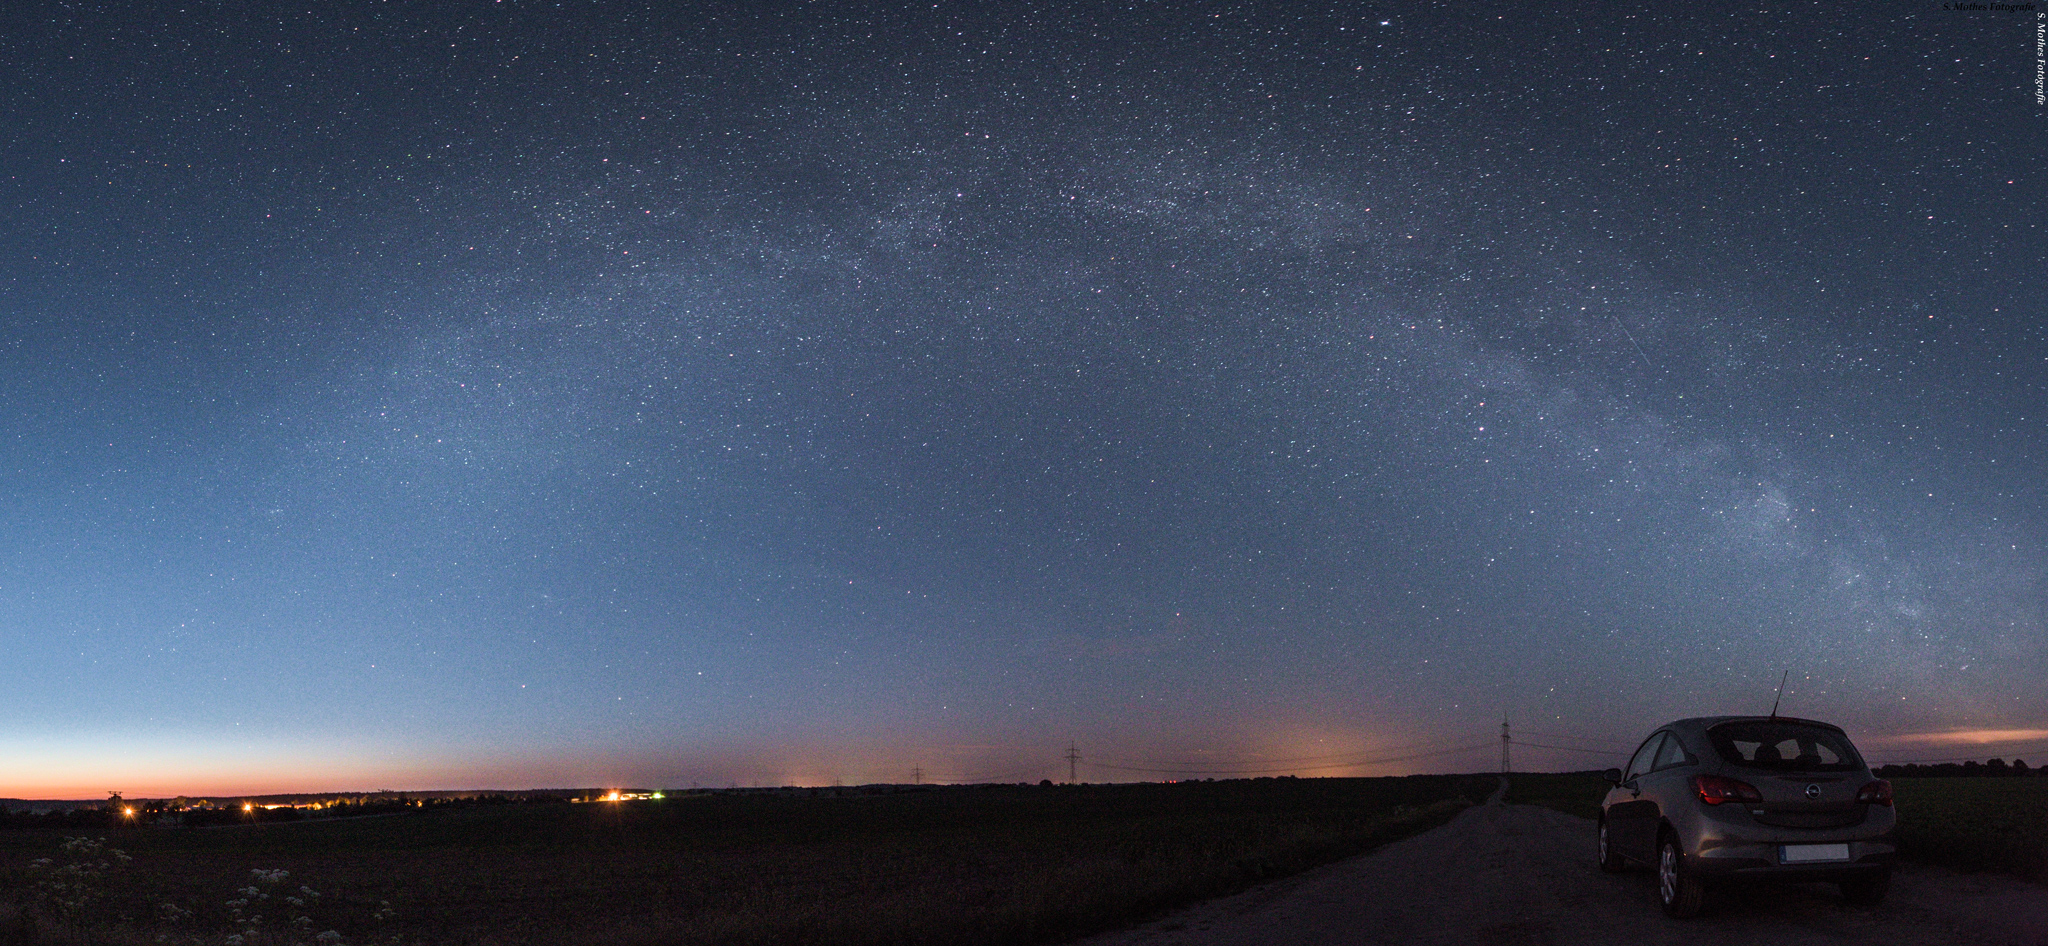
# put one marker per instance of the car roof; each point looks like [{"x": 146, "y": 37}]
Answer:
[{"x": 1704, "y": 723}]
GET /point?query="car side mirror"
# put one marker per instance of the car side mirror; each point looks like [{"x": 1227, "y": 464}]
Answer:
[{"x": 1613, "y": 776}]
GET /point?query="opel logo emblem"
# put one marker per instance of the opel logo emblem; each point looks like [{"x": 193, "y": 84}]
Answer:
[{"x": 1812, "y": 792}]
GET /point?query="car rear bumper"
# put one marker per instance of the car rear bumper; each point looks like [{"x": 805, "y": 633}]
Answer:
[{"x": 1760, "y": 860}]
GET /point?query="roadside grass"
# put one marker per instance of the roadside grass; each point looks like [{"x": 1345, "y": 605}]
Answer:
[
  {"x": 1574, "y": 793},
  {"x": 1972, "y": 824},
  {"x": 996, "y": 865}
]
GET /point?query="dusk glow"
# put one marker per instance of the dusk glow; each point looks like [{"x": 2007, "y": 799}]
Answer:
[{"x": 466, "y": 396}]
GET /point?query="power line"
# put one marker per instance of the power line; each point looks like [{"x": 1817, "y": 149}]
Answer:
[
  {"x": 1568, "y": 736},
  {"x": 1363, "y": 757},
  {"x": 1197, "y": 763},
  {"x": 998, "y": 778},
  {"x": 1605, "y": 752},
  {"x": 1356, "y": 758},
  {"x": 1293, "y": 768}
]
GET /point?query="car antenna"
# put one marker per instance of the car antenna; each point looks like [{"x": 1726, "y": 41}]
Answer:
[{"x": 1781, "y": 693}]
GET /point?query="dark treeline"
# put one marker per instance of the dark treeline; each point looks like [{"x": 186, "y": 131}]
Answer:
[
  {"x": 116, "y": 815},
  {"x": 1996, "y": 768}
]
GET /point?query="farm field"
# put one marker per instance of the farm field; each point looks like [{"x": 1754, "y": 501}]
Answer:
[
  {"x": 1972, "y": 824},
  {"x": 1008, "y": 864},
  {"x": 1976, "y": 824}
]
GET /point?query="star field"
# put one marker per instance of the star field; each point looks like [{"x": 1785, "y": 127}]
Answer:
[{"x": 525, "y": 395}]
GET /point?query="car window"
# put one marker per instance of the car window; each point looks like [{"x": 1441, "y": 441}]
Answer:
[
  {"x": 1783, "y": 746},
  {"x": 1672, "y": 754},
  {"x": 1640, "y": 762}
]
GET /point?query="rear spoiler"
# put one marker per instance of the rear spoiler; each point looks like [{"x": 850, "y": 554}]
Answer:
[{"x": 1779, "y": 719}]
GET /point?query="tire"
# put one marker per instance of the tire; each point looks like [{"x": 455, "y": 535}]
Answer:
[
  {"x": 1867, "y": 891},
  {"x": 1610, "y": 862},
  {"x": 1681, "y": 893}
]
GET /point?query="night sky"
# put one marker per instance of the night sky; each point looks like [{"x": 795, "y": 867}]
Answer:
[{"x": 515, "y": 394}]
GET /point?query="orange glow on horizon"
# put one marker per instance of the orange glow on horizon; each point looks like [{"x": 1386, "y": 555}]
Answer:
[
  {"x": 203, "y": 766},
  {"x": 1967, "y": 737},
  {"x": 78, "y": 766}
]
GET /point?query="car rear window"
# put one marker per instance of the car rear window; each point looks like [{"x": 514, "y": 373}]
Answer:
[{"x": 1787, "y": 747}]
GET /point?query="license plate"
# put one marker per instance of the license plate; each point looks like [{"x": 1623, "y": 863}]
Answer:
[{"x": 1812, "y": 853}]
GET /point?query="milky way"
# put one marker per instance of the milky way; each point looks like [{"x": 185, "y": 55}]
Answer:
[{"x": 509, "y": 397}]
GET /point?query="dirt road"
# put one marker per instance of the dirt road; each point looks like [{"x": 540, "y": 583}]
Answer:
[{"x": 1515, "y": 874}]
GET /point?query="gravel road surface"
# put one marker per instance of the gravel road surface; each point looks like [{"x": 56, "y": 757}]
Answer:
[{"x": 1517, "y": 874}]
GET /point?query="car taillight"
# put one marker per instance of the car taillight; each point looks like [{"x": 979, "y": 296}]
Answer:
[
  {"x": 1719, "y": 789},
  {"x": 1876, "y": 793}
]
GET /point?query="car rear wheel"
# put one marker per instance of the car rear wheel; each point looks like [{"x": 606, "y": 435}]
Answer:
[
  {"x": 1609, "y": 861},
  {"x": 1681, "y": 893},
  {"x": 1867, "y": 891}
]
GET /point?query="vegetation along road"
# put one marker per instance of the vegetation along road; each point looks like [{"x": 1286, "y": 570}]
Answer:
[{"x": 1516, "y": 874}]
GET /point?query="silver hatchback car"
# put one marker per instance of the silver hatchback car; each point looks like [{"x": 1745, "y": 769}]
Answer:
[{"x": 1725, "y": 798}]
